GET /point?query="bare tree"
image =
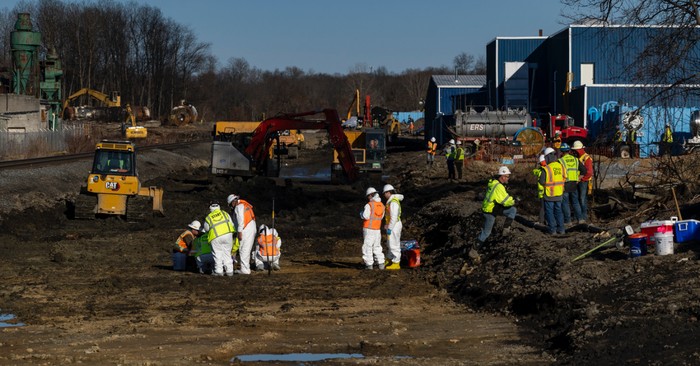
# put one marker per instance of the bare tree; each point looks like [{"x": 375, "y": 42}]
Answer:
[{"x": 463, "y": 62}]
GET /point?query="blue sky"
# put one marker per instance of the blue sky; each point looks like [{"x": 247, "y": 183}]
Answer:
[{"x": 333, "y": 36}]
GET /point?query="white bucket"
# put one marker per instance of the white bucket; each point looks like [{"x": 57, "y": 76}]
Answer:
[{"x": 664, "y": 243}]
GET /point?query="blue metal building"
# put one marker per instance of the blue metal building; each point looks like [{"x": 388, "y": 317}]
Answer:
[{"x": 447, "y": 93}]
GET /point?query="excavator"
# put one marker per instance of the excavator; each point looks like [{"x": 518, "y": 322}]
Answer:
[
  {"x": 113, "y": 186},
  {"x": 112, "y": 100},
  {"x": 248, "y": 154},
  {"x": 129, "y": 128}
]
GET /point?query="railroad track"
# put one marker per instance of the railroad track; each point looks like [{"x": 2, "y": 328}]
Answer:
[{"x": 48, "y": 160}]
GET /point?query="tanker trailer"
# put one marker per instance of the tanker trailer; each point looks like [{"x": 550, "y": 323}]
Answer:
[{"x": 487, "y": 127}]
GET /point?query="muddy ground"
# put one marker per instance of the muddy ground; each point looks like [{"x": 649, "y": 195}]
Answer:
[{"x": 104, "y": 292}]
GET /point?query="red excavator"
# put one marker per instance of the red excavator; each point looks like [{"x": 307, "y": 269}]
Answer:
[{"x": 249, "y": 154}]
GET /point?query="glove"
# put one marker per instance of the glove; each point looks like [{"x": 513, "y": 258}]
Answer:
[{"x": 388, "y": 231}]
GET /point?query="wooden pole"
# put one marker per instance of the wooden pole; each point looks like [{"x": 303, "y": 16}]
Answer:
[{"x": 678, "y": 210}]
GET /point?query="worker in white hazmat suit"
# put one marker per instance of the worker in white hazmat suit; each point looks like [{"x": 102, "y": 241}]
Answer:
[
  {"x": 246, "y": 227},
  {"x": 267, "y": 250},
  {"x": 372, "y": 215},
  {"x": 393, "y": 226},
  {"x": 220, "y": 230}
]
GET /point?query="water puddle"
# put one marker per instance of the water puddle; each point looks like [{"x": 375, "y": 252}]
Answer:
[
  {"x": 294, "y": 357},
  {"x": 5, "y": 321}
]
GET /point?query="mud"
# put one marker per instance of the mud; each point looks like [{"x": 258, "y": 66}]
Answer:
[{"x": 103, "y": 291}]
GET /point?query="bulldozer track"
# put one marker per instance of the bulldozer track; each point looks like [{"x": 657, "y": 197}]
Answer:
[{"x": 49, "y": 160}]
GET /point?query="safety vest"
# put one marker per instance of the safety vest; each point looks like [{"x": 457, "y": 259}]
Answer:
[
  {"x": 571, "y": 164},
  {"x": 451, "y": 153},
  {"x": 540, "y": 188},
  {"x": 618, "y": 136},
  {"x": 180, "y": 243},
  {"x": 554, "y": 179},
  {"x": 583, "y": 159},
  {"x": 375, "y": 216},
  {"x": 268, "y": 245},
  {"x": 432, "y": 147},
  {"x": 387, "y": 217},
  {"x": 200, "y": 246},
  {"x": 668, "y": 135},
  {"x": 248, "y": 214},
  {"x": 459, "y": 154},
  {"x": 219, "y": 224},
  {"x": 632, "y": 137},
  {"x": 496, "y": 193}
]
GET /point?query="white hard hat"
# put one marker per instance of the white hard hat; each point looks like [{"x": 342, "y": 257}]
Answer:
[
  {"x": 459, "y": 142},
  {"x": 231, "y": 198},
  {"x": 370, "y": 190},
  {"x": 432, "y": 139},
  {"x": 214, "y": 206},
  {"x": 548, "y": 151},
  {"x": 262, "y": 228},
  {"x": 577, "y": 145},
  {"x": 195, "y": 225},
  {"x": 541, "y": 159},
  {"x": 503, "y": 170},
  {"x": 452, "y": 141},
  {"x": 388, "y": 188}
]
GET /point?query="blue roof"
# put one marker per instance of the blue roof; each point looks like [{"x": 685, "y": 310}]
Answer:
[{"x": 464, "y": 81}]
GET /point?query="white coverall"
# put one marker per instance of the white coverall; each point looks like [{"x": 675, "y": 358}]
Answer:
[
  {"x": 260, "y": 259},
  {"x": 372, "y": 245},
  {"x": 394, "y": 252},
  {"x": 221, "y": 250},
  {"x": 247, "y": 238}
]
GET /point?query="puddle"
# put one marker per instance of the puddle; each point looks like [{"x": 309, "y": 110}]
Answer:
[
  {"x": 294, "y": 357},
  {"x": 4, "y": 318}
]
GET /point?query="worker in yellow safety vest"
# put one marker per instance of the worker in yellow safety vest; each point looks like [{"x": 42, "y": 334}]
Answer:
[
  {"x": 267, "y": 251},
  {"x": 432, "y": 149},
  {"x": 393, "y": 226},
  {"x": 573, "y": 171},
  {"x": 372, "y": 215},
  {"x": 459, "y": 159},
  {"x": 220, "y": 230},
  {"x": 666, "y": 141},
  {"x": 552, "y": 178},
  {"x": 497, "y": 201},
  {"x": 540, "y": 188},
  {"x": 246, "y": 227}
]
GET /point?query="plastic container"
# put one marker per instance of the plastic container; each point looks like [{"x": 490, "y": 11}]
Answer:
[
  {"x": 638, "y": 244},
  {"x": 657, "y": 226},
  {"x": 410, "y": 258},
  {"x": 664, "y": 243},
  {"x": 409, "y": 244},
  {"x": 179, "y": 261},
  {"x": 686, "y": 230}
]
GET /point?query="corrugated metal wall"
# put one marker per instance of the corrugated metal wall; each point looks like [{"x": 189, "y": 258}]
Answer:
[{"x": 517, "y": 50}]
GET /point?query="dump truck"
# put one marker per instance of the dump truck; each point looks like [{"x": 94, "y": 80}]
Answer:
[{"x": 113, "y": 187}]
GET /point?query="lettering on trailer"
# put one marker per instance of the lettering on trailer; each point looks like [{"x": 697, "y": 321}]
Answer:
[{"x": 476, "y": 127}]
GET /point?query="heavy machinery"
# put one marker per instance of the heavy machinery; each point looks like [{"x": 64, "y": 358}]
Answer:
[
  {"x": 248, "y": 154},
  {"x": 110, "y": 101},
  {"x": 290, "y": 141},
  {"x": 132, "y": 131},
  {"x": 480, "y": 128},
  {"x": 693, "y": 144},
  {"x": 551, "y": 123},
  {"x": 631, "y": 121},
  {"x": 113, "y": 186},
  {"x": 182, "y": 114},
  {"x": 384, "y": 118},
  {"x": 369, "y": 150}
]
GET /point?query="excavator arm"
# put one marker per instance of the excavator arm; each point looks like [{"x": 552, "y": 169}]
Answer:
[{"x": 263, "y": 137}]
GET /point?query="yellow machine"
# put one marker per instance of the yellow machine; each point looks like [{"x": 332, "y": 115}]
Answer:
[
  {"x": 133, "y": 131},
  {"x": 369, "y": 149},
  {"x": 113, "y": 100},
  {"x": 113, "y": 186}
]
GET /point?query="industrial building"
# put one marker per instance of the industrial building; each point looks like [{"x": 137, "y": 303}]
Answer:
[{"x": 586, "y": 71}]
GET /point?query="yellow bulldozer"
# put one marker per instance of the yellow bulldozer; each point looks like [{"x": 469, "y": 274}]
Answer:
[{"x": 113, "y": 186}]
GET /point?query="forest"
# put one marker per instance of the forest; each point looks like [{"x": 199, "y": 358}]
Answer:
[{"x": 153, "y": 61}]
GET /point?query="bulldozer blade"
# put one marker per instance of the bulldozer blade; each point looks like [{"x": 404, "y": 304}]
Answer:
[{"x": 156, "y": 194}]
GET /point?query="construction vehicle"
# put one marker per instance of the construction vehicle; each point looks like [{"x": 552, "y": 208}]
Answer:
[
  {"x": 369, "y": 150},
  {"x": 132, "y": 131},
  {"x": 550, "y": 124},
  {"x": 290, "y": 141},
  {"x": 111, "y": 101},
  {"x": 247, "y": 154},
  {"x": 384, "y": 118},
  {"x": 113, "y": 186}
]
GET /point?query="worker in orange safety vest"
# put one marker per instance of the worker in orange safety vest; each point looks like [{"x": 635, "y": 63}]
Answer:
[
  {"x": 432, "y": 149},
  {"x": 267, "y": 249},
  {"x": 372, "y": 216},
  {"x": 246, "y": 227}
]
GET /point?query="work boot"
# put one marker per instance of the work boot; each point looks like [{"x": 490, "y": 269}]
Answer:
[
  {"x": 229, "y": 273},
  {"x": 582, "y": 221},
  {"x": 217, "y": 274},
  {"x": 275, "y": 267},
  {"x": 260, "y": 267},
  {"x": 381, "y": 265},
  {"x": 369, "y": 267},
  {"x": 394, "y": 265}
]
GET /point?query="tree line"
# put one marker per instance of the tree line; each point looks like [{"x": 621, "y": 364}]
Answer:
[{"x": 155, "y": 62}]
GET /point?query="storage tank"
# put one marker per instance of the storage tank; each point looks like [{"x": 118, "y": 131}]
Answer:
[{"x": 490, "y": 124}]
